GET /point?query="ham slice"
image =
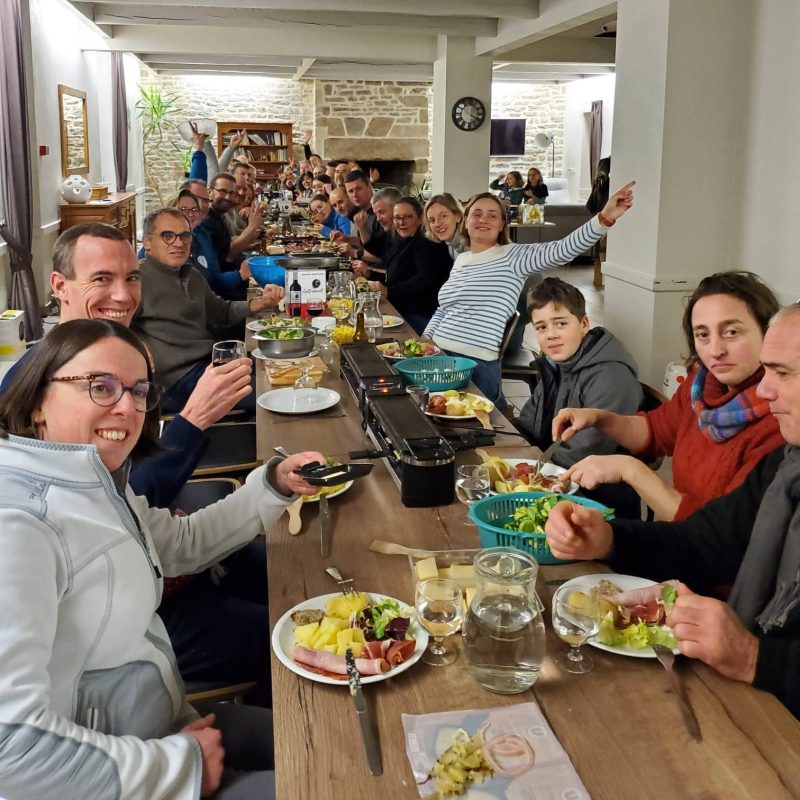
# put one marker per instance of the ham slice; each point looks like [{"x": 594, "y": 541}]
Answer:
[
  {"x": 640, "y": 597},
  {"x": 329, "y": 662},
  {"x": 398, "y": 652}
]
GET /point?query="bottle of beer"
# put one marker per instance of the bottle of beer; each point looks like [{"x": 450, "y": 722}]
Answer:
[
  {"x": 295, "y": 298},
  {"x": 361, "y": 331}
]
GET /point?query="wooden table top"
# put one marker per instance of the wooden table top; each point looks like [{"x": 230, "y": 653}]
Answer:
[{"x": 618, "y": 723}]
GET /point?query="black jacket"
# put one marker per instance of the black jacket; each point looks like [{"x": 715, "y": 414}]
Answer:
[{"x": 706, "y": 550}]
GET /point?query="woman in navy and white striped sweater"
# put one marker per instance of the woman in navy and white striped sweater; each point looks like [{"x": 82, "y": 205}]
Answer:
[{"x": 485, "y": 283}]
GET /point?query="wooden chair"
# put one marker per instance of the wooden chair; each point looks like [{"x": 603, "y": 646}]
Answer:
[
  {"x": 205, "y": 692},
  {"x": 232, "y": 450}
]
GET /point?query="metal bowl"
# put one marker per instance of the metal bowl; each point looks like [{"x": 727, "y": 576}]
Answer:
[
  {"x": 308, "y": 261},
  {"x": 286, "y": 348}
]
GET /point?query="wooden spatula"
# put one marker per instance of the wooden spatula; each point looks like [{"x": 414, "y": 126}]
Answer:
[
  {"x": 295, "y": 523},
  {"x": 392, "y": 549},
  {"x": 483, "y": 417}
]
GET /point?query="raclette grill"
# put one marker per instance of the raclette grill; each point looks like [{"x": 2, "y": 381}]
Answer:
[{"x": 420, "y": 460}]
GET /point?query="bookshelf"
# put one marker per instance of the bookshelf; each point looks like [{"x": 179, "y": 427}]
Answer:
[{"x": 267, "y": 145}]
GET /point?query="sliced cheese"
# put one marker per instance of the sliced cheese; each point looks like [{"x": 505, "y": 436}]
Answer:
[
  {"x": 470, "y": 593},
  {"x": 427, "y": 569}
]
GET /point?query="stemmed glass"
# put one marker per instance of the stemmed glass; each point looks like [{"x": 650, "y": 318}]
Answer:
[
  {"x": 440, "y": 610},
  {"x": 229, "y": 350},
  {"x": 472, "y": 484},
  {"x": 305, "y": 381},
  {"x": 576, "y": 618}
]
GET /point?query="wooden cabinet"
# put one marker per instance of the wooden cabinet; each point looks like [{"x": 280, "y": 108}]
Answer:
[
  {"x": 117, "y": 209},
  {"x": 267, "y": 146}
]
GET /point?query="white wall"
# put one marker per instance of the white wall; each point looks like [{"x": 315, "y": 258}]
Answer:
[{"x": 578, "y": 98}]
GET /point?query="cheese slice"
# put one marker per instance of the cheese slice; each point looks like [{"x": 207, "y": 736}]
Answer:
[{"x": 427, "y": 569}]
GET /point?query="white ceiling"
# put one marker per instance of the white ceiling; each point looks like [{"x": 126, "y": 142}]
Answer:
[{"x": 530, "y": 40}]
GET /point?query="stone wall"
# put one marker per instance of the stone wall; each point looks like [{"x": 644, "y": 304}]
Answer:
[
  {"x": 375, "y": 120},
  {"x": 72, "y": 112},
  {"x": 542, "y": 105},
  {"x": 235, "y": 98}
]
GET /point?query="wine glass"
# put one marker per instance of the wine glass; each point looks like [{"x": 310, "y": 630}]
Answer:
[
  {"x": 229, "y": 350},
  {"x": 314, "y": 308},
  {"x": 440, "y": 609},
  {"x": 576, "y": 618},
  {"x": 472, "y": 484},
  {"x": 419, "y": 394},
  {"x": 305, "y": 381}
]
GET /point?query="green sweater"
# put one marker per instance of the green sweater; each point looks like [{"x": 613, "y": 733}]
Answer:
[{"x": 180, "y": 318}]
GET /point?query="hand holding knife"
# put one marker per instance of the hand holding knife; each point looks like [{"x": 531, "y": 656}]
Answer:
[{"x": 368, "y": 732}]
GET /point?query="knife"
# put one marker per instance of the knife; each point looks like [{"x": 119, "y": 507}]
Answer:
[
  {"x": 548, "y": 454},
  {"x": 324, "y": 527},
  {"x": 368, "y": 733},
  {"x": 667, "y": 658}
]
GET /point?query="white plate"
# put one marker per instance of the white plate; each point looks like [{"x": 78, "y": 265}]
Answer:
[
  {"x": 256, "y": 353},
  {"x": 203, "y": 125},
  {"x": 390, "y": 321},
  {"x": 625, "y": 582},
  {"x": 320, "y": 323},
  {"x": 283, "y": 642},
  {"x": 454, "y": 419},
  {"x": 256, "y": 325},
  {"x": 315, "y": 498},
  {"x": 402, "y": 358},
  {"x": 548, "y": 470},
  {"x": 306, "y": 401}
]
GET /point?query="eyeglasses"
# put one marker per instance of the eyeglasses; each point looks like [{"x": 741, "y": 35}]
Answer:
[
  {"x": 188, "y": 211},
  {"x": 225, "y": 192},
  {"x": 443, "y": 217},
  {"x": 168, "y": 237},
  {"x": 107, "y": 390},
  {"x": 405, "y": 218}
]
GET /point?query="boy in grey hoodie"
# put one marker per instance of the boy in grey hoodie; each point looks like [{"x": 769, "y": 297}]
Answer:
[{"x": 579, "y": 368}]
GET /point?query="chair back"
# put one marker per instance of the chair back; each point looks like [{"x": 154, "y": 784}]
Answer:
[{"x": 508, "y": 333}]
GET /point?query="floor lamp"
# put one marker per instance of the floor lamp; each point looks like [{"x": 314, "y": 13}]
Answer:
[{"x": 545, "y": 140}]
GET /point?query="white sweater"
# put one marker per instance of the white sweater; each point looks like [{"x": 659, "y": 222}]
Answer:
[
  {"x": 483, "y": 290},
  {"x": 91, "y": 701}
]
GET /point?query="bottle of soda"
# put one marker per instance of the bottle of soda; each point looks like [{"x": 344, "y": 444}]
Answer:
[
  {"x": 361, "y": 332},
  {"x": 295, "y": 297}
]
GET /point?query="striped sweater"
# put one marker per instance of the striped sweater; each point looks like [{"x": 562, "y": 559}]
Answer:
[{"x": 483, "y": 289}]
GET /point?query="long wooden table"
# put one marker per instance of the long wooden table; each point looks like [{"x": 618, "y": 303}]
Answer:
[{"x": 618, "y": 723}]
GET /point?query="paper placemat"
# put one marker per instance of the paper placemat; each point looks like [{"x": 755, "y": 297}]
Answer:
[{"x": 552, "y": 774}]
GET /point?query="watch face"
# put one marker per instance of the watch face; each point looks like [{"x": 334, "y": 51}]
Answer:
[{"x": 469, "y": 113}]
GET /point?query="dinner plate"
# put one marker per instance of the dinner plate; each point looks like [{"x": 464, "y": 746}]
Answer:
[
  {"x": 390, "y": 321},
  {"x": 305, "y": 401},
  {"x": 402, "y": 357},
  {"x": 283, "y": 641},
  {"x": 625, "y": 582},
  {"x": 462, "y": 416},
  {"x": 314, "y": 498},
  {"x": 548, "y": 470},
  {"x": 256, "y": 352}
]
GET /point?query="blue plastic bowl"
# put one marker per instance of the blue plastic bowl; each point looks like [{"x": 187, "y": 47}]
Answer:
[
  {"x": 491, "y": 513},
  {"x": 265, "y": 270}
]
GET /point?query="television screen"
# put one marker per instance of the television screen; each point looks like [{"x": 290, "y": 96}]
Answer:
[{"x": 508, "y": 137}]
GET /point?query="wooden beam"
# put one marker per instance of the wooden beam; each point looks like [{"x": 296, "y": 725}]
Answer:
[
  {"x": 291, "y": 23},
  {"x": 215, "y": 69},
  {"x": 293, "y": 62},
  {"x": 571, "y": 68},
  {"x": 303, "y": 68}
]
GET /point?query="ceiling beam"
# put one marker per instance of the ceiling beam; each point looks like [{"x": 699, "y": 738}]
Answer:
[
  {"x": 294, "y": 23},
  {"x": 84, "y": 12},
  {"x": 321, "y": 43},
  {"x": 249, "y": 72},
  {"x": 303, "y": 68},
  {"x": 555, "y": 16},
  {"x": 214, "y": 69},
  {"x": 570, "y": 49},
  {"x": 372, "y": 72},
  {"x": 551, "y": 68},
  {"x": 231, "y": 59},
  {"x": 502, "y": 9}
]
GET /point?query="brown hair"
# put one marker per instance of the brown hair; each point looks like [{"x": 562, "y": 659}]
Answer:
[
  {"x": 64, "y": 249},
  {"x": 183, "y": 194},
  {"x": 502, "y": 237},
  {"x": 416, "y": 206},
  {"x": 19, "y": 402},
  {"x": 559, "y": 293},
  {"x": 219, "y": 177},
  {"x": 450, "y": 203},
  {"x": 743, "y": 285},
  {"x": 517, "y": 178},
  {"x": 538, "y": 172}
]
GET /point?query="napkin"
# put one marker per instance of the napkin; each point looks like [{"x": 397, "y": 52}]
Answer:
[{"x": 552, "y": 774}]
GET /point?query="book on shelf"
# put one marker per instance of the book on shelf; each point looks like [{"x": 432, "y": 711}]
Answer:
[{"x": 257, "y": 138}]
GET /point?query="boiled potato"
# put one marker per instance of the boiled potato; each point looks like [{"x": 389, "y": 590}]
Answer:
[{"x": 305, "y": 633}]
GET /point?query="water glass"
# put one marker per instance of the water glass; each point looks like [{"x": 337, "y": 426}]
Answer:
[
  {"x": 419, "y": 394},
  {"x": 227, "y": 351},
  {"x": 576, "y": 618},
  {"x": 440, "y": 609},
  {"x": 305, "y": 381},
  {"x": 472, "y": 484}
]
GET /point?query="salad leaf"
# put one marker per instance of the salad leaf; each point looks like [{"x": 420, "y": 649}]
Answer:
[
  {"x": 385, "y": 619},
  {"x": 634, "y": 637},
  {"x": 531, "y": 519},
  {"x": 669, "y": 594},
  {"x": 383, "y": 613},
  {"x": 412, "y": 348}
]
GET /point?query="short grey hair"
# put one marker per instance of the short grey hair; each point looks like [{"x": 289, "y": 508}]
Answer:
[
  {"x": 388, "y": 195},
  {"x": 150, "y": 220}
]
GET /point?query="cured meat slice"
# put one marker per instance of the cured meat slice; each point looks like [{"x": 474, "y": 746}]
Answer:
[
  {"x": 330, "y": 662},
  {"x": 398, "y": 652},
  {"x": 643, "y": 596}
]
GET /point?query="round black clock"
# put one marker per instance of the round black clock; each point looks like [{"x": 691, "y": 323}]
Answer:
[{"x": 469, "y": 113}]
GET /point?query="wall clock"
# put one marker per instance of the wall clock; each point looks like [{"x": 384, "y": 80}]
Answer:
[{"x": 469, "y": 113}]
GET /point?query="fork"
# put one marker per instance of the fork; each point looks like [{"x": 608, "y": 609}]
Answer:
[
  {"x": 667, "y": 659},
  {"x": 347, "y": 585}
]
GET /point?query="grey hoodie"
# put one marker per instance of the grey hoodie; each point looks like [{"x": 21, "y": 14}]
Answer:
[{"x": 601, "y": 374}]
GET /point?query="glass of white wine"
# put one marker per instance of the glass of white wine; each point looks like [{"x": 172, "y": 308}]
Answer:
[
  {"x": 440, "y": 610},
  {"x": 472, "y": 484},
  {"x": 576, "y": 618}
]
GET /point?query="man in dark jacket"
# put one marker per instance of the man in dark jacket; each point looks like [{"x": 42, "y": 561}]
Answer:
[{"x": 749, "y": 538}]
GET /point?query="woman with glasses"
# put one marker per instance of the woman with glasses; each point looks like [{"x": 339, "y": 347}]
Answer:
[
  {"x": 91, "y": 703},
  {"x": 416, "y": 267},
  {"x": 443, "y": 217},
  {"x": 486, "y": 281}
]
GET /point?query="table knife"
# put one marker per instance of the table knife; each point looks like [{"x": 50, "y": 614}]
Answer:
[
  {"x": 548, "y": 454},
  {"x": 667, "y": 659},
  {"x": 324, "y": 527},
  {"x": 368, "y": 733}
]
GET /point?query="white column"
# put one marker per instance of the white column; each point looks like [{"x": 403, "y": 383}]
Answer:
[
  {"x": 679, "y": 119},
  {"x": 460, "y": 158}
]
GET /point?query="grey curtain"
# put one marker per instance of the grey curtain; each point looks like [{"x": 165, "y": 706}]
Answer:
[
  {"x": 16, "y": 182},
  {"x": 120, "y": 115},
  {"x": 596, "y": 136}
]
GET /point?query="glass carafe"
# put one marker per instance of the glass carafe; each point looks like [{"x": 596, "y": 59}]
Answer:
[
  {"x": 369, "y": 303},
  {"x": 504, "y": 636},
  {"x": 329, "y": 352},
  {"x": 341, "y": 294}
]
